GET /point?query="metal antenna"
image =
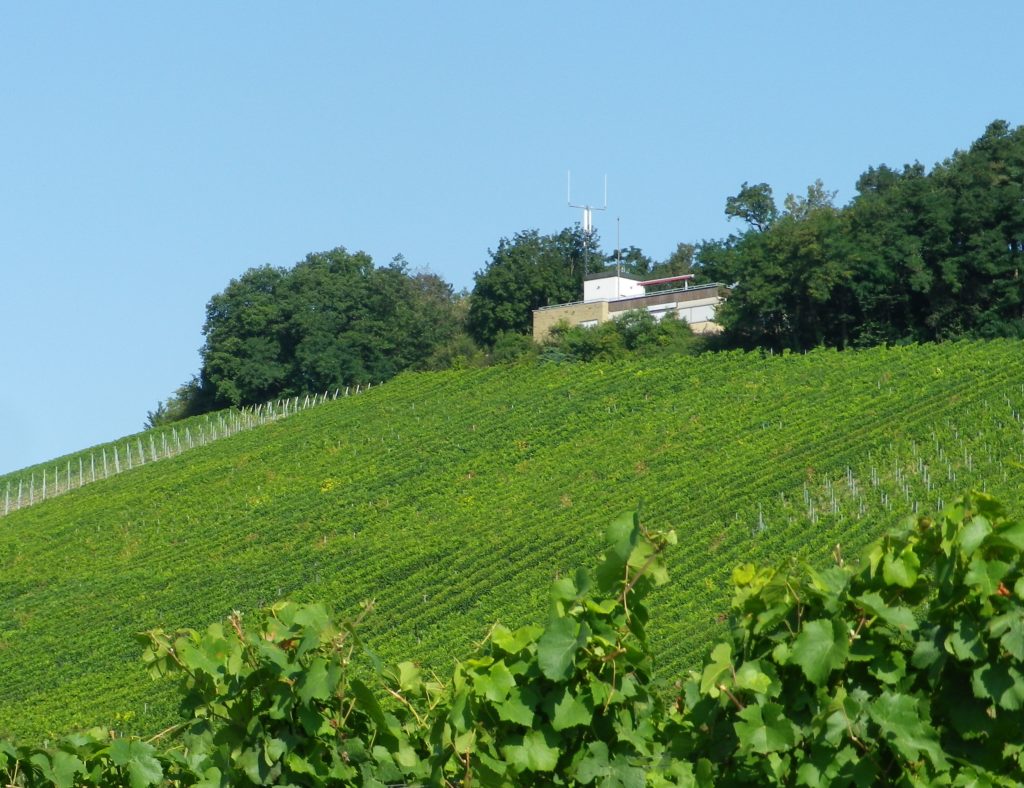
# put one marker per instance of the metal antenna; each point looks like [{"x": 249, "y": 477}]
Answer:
[
  {"x": 618, "y": 246},
  {"x": 588, "y": 219}
]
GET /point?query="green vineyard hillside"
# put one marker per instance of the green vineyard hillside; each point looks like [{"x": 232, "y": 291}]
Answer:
[{"x": 453, "y": 498}]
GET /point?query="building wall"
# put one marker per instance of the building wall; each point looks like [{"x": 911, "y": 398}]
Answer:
[
  {"x": 573, "y": 314},
  {"x": 610, "y": 288},
  {"x": 695, "y": 305}
]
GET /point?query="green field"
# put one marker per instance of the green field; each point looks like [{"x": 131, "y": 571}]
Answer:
[{"x": 453, "y": 498}]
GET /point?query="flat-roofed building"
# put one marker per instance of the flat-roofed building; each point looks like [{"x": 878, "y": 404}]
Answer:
[{"x": 609, "y": 295}]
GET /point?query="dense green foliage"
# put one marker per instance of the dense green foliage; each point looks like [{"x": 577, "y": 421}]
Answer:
[
  {"x": 905, "y": 667},
  {"x": 915, "y": 256},
  {"x": 334, "y": 319},
  {"x": 453, "y": 498},
  {"x": 525, "y": 272},
  {"x": 636, "y": 332}
]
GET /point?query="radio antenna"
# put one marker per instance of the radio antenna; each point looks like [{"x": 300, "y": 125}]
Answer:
[{"x": 588, "y": 217}]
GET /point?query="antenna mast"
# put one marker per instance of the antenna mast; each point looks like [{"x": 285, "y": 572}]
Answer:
[{"x": 588, "y": 219}]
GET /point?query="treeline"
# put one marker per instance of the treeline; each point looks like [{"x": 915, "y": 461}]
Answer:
[
  {"x": 336, "y": 319},
  {"x": 915, "y": 256}
]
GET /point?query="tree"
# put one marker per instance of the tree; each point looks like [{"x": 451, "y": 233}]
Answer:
[
  {"x": 332, "y": 320},
  {"x": 524, "y": 273},
  {"x": 790, "y": 283},
  {"x": 754, "y": 205},
  {"x": 632, "y": 260}
]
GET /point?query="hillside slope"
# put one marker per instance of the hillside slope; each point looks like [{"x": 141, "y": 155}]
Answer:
[{"x": 452, "y": 499}]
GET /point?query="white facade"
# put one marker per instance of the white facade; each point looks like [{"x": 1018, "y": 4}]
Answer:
[
  {"x": 610, "y": 288},
  {"x": 698, "y": 311}
]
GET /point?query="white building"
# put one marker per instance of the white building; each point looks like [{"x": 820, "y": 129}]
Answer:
[{"x": 608, "y": 295}]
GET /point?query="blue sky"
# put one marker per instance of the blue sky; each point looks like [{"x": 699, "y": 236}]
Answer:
[{"x": 149, "y": 153}]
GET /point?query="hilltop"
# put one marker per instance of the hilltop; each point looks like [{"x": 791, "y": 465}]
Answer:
[{"x": 452, "y": 498}]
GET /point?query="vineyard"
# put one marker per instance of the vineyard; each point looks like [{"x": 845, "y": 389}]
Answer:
[
  {"x": 453, "y": 499},
  {"x": 36, "y": 483}
]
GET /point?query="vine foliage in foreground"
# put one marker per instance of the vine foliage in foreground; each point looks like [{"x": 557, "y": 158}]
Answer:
[{"x": 906, "y": 668}]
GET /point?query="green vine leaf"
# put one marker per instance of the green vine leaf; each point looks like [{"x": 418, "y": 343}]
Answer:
[
  {"x": 900, "y": 719},
  {"x": 535, "y": 754},
  {"x": 557, "y": 647},
  {"x": 764, "y": 729},
  {"x": 821, "y": 647}
]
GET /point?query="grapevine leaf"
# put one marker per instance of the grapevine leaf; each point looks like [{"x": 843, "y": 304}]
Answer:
[
  {"x": 557, "y": 647},
  {"x": 985, "y": 576},
  {"x": 1002, "y": 683},
  {"x": 902, "y": 569},
  {"x": 619, "y": 538},
  {"x": 764, "y": 729},
  {"x": 535, "y": 754},
  {"x": 496, "y": 684},
  {"x": 965, "y": 642},
  {"x": 317, "y": 681},
  {"x": 751, "y": 677},
  {"x": 594, "y": 763},
  {"x": 512, "y": 642},
  {"x": 900, "y": 720},
  {"x": 1009, "y": 628},
  {"x": 369, "y": 702},
  {"x": 973, "y": 534},
  {"x": 624, "y": 774},
  {"x": 821, "y": 647},
  {"x": 889, "y": 667},
  {"x": 518, "y": 707},
  {"x": 719, "y": 666},
  {"x": 409, "y": 677},
  {"x": 898, "y": 617},
  {"x": 1011, "y": 535},
  {"x": 65, "y": 766},
  {"x": 569, "y": 712}
]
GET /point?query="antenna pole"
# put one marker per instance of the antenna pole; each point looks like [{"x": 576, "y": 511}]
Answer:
[
  {"x": 588, "y": 219},
  {"x": 618, "y": 246}
]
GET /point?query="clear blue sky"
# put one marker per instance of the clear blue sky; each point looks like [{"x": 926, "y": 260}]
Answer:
[{"x": 151, "y": 152}]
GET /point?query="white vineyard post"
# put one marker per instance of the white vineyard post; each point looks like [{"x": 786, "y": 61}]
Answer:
[
  {"x": 188, "y": 437},
  {"x": 117, "y": 461},
  {"x": 32, "y": 490},
  {"x": 20, "y": 483},
  {"x": 128, "y": 452},
  {"x": 7, "y": 499},
  {"x": 44, "y": 484},
  {"x": 81, "y": 472},
  {"x": 177, "y": 439},
  {"x": 142, "y": 453}
]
